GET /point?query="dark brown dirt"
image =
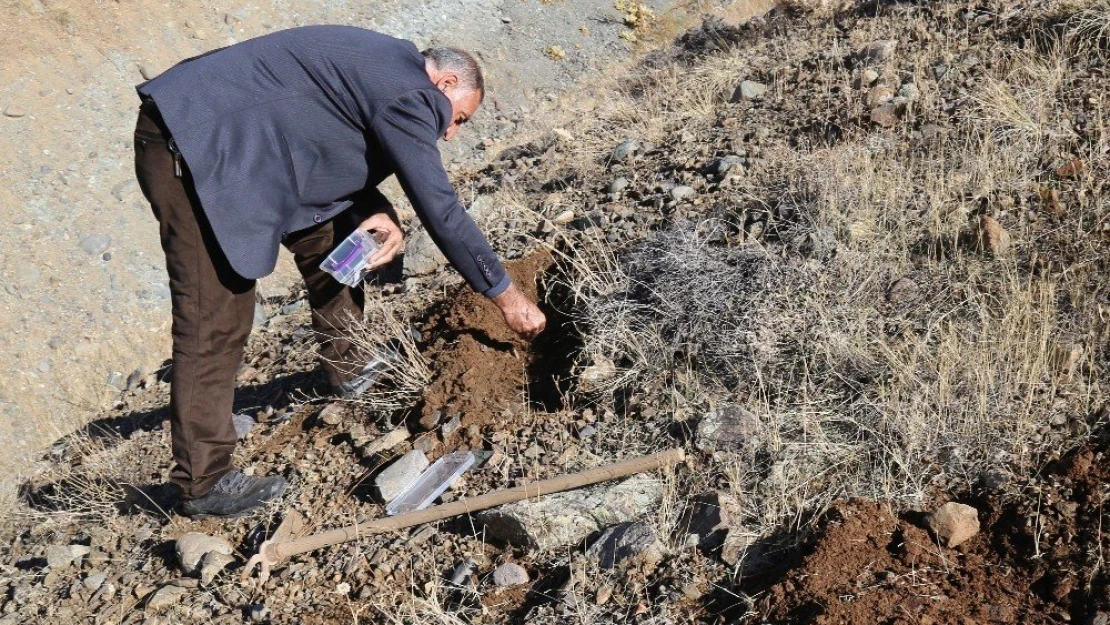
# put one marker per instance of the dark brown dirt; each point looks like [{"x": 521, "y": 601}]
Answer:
[
  {"x": 1035, "y": 561},
  {"x": 484, "y": 372}
]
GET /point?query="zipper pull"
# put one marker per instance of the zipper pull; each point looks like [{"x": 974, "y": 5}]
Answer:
[{"x": 172, "y": 147}]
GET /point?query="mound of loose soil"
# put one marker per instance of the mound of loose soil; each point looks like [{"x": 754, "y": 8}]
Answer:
[
  {"x": 1036, "y": 561},
  {"x": 484, "y": 372}
]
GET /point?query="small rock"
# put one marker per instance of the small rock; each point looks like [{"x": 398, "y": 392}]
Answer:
[
  {"x": 902, "y": 290},
  {"x": 61, "y": 556},
  {"x": 136, "y": 378},
  {"x": 95, "y": 244},
  {"x": 510, "y": 574},
  {"x": 400, "y": 475},
  {"x": 587, "y": 432},
  {"x": 909, "y": 92},
  {"x": 93, "y": 581},
  {"x": 147, "y": 71},
  {"x": 682, "y": 193},
  {"x": 627, "y": 544},
  {"x": 707, "y": 515},
  {"x": 877, "y": 51},
  {"x": 563, "y": 218},
  {"x": 385, "y": 442},
  {"x": 258, "y": 613},
  {"x": 868, "y": 77},
  {"x": 603, "y": 595},
  {"x": 993, "y": 238},
  {"x": 749, "y": 90},
  {"x": 243, "y": 425},
  {"x": 463, "y": 572},
  {"x": 1071, "y": 169},
  {"x": 618, "y": 185},
  {"x": 725, "y": 164},
  {"x": 1100, "y": 618},
  {"x": 332, "y": 414},
  {"x": 931, "y": 132},
  {"x": 626, "y": 149},
  {"x": 14, "y": 111},
  {"x": 736, "y": 544},
  {"x": 452, "y": 425},
  {"x": 879, "y": 95},
  {"x": 192, "y": 547},
  {"x": 426, "y": 442},
  {"x": 601, "y": 370},
  {"x": 953, "y": 523},
  {"x": 885, "y": 116},
  {"x": 212, "y": 564},
  {"x": 165, "y": 596},
  {"x": 731, "y": 429}
]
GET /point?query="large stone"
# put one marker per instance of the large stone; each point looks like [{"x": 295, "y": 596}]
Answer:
[
  {"x": 708, "y": 516},
  {"x": 954, "y": 523},
  {"x": 400, "y": 475},
  {"x": 192, "y": 547},
  {"x": 568, "y": 518},
  {"x": 627, "y": 545},
  {"x": 729, "y": 430}
]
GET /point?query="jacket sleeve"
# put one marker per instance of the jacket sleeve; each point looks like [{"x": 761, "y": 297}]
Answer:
[{"x": 408, "y": 132}]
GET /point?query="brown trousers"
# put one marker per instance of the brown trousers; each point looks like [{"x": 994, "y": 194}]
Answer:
[{"x": 213, "y": 309}]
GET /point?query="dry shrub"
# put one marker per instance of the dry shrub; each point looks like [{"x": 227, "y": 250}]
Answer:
[{"x": 387, "y": 334}]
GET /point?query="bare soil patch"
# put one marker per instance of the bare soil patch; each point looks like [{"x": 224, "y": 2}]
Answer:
[
  {"x": 1035, "y": 561},
  {"x": 486, "y": 374}
]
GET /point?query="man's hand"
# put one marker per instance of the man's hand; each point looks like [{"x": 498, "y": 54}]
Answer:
[
  {"x": 521, "y": 314},
  {"x": 389, "y": 237}
]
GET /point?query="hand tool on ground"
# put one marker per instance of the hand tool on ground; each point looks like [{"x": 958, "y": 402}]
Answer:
[{"x": 284, "y": 542}]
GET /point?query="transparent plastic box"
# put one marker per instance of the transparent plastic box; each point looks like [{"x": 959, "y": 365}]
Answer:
[
  {"x": 347, "y": 263},
  {"x": 431, "y": 483}
]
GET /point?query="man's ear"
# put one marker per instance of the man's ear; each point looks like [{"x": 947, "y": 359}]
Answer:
[{"x": 449, "y": 80}]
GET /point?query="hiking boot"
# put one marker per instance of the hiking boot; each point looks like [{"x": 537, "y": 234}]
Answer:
[{"x": 234, "y": 494}]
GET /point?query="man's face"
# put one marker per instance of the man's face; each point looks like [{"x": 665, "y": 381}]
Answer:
[{"x": 463, "y": 106}]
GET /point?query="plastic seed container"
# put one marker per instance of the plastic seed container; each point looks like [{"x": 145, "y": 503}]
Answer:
[
  {"x": 431, "y": 483},
  {"x": 347, "y": 263}
]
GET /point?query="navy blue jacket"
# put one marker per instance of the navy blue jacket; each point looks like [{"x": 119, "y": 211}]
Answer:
[{"x": 282, "y": 131}]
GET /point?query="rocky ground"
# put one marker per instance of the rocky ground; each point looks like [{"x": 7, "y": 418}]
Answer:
[{"x": 851, "y": 258}]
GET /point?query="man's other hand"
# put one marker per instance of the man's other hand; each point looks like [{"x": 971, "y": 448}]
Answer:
[
  {"x": 389, "y": 237},
  {"x": 521, "y": 314}
]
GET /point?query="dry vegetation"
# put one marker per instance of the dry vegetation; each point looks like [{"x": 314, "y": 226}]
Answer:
[{"x": 895, "y": 357}]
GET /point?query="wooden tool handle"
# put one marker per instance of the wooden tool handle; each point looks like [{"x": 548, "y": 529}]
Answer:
[{"x": 281, "y": 550}]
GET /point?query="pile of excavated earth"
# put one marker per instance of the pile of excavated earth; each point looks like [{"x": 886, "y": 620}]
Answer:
[{"x": 724, "y": 258}]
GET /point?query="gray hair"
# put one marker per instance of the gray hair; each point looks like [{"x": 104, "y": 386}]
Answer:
[{"x": 462, "y": 63}]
